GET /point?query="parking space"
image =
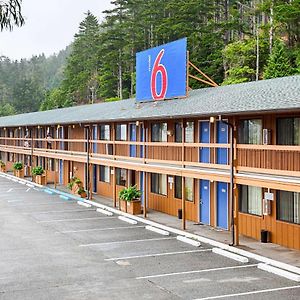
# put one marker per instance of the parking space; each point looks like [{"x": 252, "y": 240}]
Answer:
[{"x": 72, "y": 252}]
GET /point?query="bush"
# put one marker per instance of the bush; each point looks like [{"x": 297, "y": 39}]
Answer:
[
  {"x": 18, "y": 166},
  {"x": 130, "y": 193},
  {"x": 38, "y": 170},
  {"x": 2, "y": 164}
]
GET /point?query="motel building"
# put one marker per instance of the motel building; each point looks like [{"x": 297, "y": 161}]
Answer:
[{"x": 222, "y": 155}]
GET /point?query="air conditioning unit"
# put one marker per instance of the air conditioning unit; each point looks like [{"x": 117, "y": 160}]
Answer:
[{"x": 266, "y": 136}]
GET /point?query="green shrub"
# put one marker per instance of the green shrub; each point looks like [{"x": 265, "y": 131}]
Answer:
[
  {"x": 38, "y": 170},
  {"x": 130, "y": 193},
  {"x": 18, "y": 166},
  {"x": 2, "y": 164}
]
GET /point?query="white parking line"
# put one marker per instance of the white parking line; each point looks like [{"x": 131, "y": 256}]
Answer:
[
  {"x": 126, "y": 242},
  {"x": 58, "y": 211},
  {"x": 8, "y": 191},
  {"x": 101, "y": 229},
  {"x": 38, "y": 204},
  {"x": 251, "y": 293},
  {"x": 27, "y": 190},
  {"x": 196, "y": 271},
  {"x": 78, "y": 219},
  {"x": 10, "y": 201},
  {"x": 157, "y": 254}
]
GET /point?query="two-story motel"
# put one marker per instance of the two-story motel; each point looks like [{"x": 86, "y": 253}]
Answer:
[{"x": 178, "y": 153}]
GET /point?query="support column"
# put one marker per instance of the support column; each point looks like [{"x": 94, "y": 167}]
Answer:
[
  {"x": 182, "y": 177},
  {"x": 114, "y": 168}
]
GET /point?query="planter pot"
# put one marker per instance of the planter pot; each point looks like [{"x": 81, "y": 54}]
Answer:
[
  {"x": 83, "y": 195},
  {"x": 76, "y": 187},
  {"x": 40, "y": 179},
  {"x": 132, "y": 207},
  {"x": 19, "y": 173},
  {"x": 3, "y": 169}
]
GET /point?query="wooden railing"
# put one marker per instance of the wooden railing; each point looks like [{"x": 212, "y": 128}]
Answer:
[{"x": 265, "y": 159}]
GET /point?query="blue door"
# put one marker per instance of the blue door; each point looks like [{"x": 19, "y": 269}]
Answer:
[
  {"x": 142, "y": 186},
  {"x": 222, "y": 205},
  {"x": 132, "y": 139},
  {"x": 204, "y": 137},
  {"x": 222, "y": 138},
  {"x": 204, "y": 201},
  {"x": 142, "y": 140},
  {"x": 61, "y": 171},
  {"x": 94, "y": 178}
]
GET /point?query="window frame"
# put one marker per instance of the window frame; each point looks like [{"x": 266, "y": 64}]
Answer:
[
  {"x": 162, "y": 131},
  {"x": 278, "y": 208},
  {"x": 160, "y": 178},
  {"x": 247, "y": 211},
  {"x": 241, "y": 138},
  {"x": 105, "y": 131},
  {"x": 121, "y": 138},
  {"x": 101, "y": 178}
]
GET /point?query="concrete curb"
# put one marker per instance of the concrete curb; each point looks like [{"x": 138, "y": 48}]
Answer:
[
  {"x": 231, "y": 255},
  {"x": 260, "y": 258},
  {"x": 157, "y": 230},
  {"x": 188, "y": 241},
  {"x": 279, "y": 272}
]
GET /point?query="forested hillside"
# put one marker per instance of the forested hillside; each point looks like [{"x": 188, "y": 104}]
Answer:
[
  {"x": 24, "y": 84},
  {"x": 231, "y": 41}
]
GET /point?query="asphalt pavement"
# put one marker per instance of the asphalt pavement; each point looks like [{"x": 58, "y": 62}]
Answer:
[{"x": 52, "y": 248}]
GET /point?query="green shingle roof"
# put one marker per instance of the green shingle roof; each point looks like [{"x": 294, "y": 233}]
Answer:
[{"x": 279, "y": 94}]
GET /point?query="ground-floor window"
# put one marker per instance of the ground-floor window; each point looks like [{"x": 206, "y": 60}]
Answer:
[
  {"x": 250, "y": 199},
  {"x": 104, "y": 175},
  {"x": 159, "y": 184},
  {"x": 121, "y": 176},
  {"x": 288, "y": 206},
  {"x": 189, "y": 188}
]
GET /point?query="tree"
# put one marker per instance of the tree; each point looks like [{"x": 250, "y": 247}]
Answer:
[
  {"x": 80, "y": 74},
  {"x": 10, "y": 14},
  {"x": 279, "y": 63}
]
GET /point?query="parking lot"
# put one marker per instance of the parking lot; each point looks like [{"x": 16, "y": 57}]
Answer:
[{"x": 52, "y": 248}]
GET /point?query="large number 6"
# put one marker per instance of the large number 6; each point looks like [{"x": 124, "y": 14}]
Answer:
[{"x": 159, "y": 68}]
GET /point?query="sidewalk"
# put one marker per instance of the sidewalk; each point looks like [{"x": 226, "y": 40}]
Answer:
[{"x": 269, "y": 250}]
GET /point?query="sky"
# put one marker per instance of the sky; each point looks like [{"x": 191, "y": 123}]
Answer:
[{"x": 50, "y": 26}]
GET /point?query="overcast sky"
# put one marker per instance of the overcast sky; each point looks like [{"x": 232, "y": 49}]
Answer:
[{"x": 50, "y": 26}]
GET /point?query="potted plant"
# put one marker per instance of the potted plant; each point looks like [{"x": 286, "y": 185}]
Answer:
[
  {"x": 2, "y": 166},
  {"x": 130, "y": 200},
  {"x": 74, "y": 185},
  {"x": 81, "y": 192},
  {"x": 18, "y": 169},
  {"x": 38, "y": 175}
]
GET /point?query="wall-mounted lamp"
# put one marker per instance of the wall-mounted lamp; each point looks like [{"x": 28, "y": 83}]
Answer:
[
  {"x": 4, "y": 128},
  {"x": 39, "y": 127},
  {"x": 73, "y": 126},
  {"x": 137, "y": 123},
  {"x": 212, "y": 119},
  {"x": 58, "y": 126},
  {"x": 170, "y": 132}
]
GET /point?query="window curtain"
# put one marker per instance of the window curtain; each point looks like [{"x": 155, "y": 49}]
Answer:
[
  {"x": 286, "y": 206},
  {"x": 250, "y": 131},
  {"x": 285, "y": 131},
  {"x": 178, "y": 133},
  {"x": 178, "y": 187},
  {"x": 189, "y": 132},
  {"x": 254, "y": 200}
]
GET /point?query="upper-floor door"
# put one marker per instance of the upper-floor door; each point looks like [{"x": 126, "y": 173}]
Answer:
[
  {"x": 132, "y": 137},
  {"x": 204, "y": 137},
  {"x": 222, "y": 138}
]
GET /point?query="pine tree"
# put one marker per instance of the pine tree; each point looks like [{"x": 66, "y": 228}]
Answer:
[{"x": 278, "y": 64}]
